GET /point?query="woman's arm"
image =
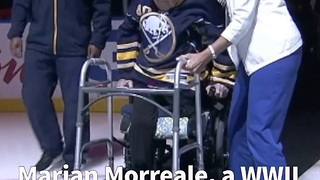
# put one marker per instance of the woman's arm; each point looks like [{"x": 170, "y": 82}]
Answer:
[
  {"x": 243, "y": 16},
  {"x": 220, "y": 45},
  {"x": 244, "y": 13}
]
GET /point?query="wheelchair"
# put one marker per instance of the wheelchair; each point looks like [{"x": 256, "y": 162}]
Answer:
[
  {"x": 206, "y": 135},
  {"x": 214, "y": 119}
]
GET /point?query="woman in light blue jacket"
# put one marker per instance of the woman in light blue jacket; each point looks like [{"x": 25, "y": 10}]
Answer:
[{"x": 265, "y": 46}]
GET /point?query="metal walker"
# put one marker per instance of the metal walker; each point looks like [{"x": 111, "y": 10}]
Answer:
[{"x": 105, "y": 89}]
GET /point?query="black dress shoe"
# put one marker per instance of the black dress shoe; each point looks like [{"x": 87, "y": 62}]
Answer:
[{"x": 45, "y": 161}]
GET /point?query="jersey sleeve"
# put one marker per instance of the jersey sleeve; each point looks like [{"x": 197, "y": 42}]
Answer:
[
  {"x": 128, "y": 43},
  {"x": 223, "y": 69}
]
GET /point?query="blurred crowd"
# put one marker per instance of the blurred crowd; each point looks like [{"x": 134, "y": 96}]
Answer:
[
  {"x": 305, "y": 14},
  {"x": 5, "y": 9}
]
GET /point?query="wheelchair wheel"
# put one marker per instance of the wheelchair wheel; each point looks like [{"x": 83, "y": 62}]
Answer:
[
  {"x": 126, "y": 153},
  {"x": 220, "y": 147},
  {"x": 209, "y": 146},
  {"x": 162, "y": 158}
]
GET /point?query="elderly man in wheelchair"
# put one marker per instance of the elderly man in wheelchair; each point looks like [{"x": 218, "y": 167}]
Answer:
[{"x": 151, "y": 38}]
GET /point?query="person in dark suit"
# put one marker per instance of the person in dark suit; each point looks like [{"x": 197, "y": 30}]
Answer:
[
  {"x": 62, "y": 35},
  {"x": 5, "y": 9},
  {"x": 5, "y": 4}
]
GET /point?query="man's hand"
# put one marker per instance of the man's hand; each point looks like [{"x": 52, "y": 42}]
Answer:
[
  {"x": 218, "y": 90},
  {"x": 93, "y": 51},
  {"x": 125, "y": 83},
  {"x": 16, "y": 47}
]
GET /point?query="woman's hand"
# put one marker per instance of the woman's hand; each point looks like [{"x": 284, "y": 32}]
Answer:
[{"x": 197, "y": 62}]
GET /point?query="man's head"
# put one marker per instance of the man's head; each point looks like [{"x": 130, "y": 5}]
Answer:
[{"x": 165, "y": 5}]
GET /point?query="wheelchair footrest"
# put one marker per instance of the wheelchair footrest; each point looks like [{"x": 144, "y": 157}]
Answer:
[
  {"x": 100, "y": 141},
  {"x": 94, "y": 142}
]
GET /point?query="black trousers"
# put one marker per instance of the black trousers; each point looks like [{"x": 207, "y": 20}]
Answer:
[
  {"x": 41, "y": 75},
  {"x": 143, "y": 127}
]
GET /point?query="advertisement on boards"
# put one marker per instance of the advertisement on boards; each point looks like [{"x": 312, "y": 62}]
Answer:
[{"x": 11, "y": 67}]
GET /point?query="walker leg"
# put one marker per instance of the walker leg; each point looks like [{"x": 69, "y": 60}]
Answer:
[
  {"x": 199, "y": 124},
  {"x": 110, "y": 134},
  {"x": 176, "y": 119},
  {"x": 176, "y": 129},
  {"x": 80, "y": 121}
]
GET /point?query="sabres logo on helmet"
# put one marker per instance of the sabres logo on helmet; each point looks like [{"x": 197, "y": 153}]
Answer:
[{"x": 159, "y": 39}]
